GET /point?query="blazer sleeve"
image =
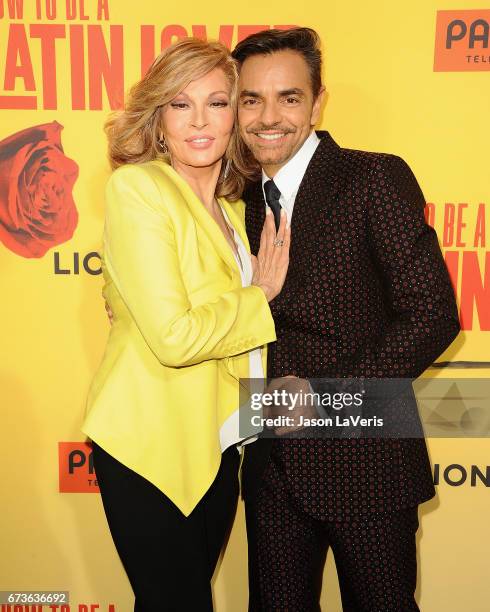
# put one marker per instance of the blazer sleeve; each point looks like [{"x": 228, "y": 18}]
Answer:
[
  {"x": 140, "y": 254},
  {"x": 418, "y": 287}
]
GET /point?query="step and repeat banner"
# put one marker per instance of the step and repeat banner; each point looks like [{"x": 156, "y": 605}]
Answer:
[{"x": 411, "y": 78}]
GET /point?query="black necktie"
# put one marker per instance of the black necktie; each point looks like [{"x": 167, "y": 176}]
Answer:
[{"x": 272, "y": 195}]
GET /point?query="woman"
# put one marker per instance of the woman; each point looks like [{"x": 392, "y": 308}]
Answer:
[{"x": 190, "y": 315}]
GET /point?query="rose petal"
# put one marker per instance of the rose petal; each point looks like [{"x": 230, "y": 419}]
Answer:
[{"x": 30, "y": 136}]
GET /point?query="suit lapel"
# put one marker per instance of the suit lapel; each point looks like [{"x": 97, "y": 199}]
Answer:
[
  {"x": 319, "y": 186},
  {"x": 254, "y": 214}
]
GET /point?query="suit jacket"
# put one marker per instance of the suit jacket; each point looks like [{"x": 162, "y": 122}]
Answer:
[
  {"x": 183, "y": 324},
  {"x": 367, "y": 294}
]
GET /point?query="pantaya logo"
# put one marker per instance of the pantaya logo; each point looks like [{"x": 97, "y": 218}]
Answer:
[
  {"x": 76, "y": 468},
  {"x": 462, "y": 39}
]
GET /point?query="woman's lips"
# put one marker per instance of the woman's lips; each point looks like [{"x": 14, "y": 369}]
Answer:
[{"x": 200, "y": 142}]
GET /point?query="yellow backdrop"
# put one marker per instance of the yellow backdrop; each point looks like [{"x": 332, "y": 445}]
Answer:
[{"x": 393, "y": 86}]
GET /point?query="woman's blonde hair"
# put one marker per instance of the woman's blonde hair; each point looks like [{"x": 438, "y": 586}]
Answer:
[{"x": 134, "y": 132}]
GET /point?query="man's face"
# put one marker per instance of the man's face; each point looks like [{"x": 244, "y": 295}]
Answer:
[{"x": 276, "y": 107}]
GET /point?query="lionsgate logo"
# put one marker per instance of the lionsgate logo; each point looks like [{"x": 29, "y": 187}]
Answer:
[
  {"x": 456, "y": 475},
  {"x": 462, "y": 39}
]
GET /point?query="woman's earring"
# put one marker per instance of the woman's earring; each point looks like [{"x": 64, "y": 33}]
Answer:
[
  {"x": 163, "y": 145},
  {"x": 227, "y": 168}
]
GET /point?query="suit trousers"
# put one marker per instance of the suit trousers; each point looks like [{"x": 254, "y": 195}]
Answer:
[
  {"x": 375, "y": 554},
  {"x": 169, "y": 558}
]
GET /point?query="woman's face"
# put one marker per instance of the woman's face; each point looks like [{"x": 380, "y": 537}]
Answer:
[{"x": 197, "y": 124}]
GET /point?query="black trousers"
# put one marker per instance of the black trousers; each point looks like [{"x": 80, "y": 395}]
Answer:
[
  {"x": 375, "y": 554},
  {"x": 169, "y": 558}
]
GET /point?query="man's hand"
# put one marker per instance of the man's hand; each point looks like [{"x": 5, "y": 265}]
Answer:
[{"x": 295, "y": 403}]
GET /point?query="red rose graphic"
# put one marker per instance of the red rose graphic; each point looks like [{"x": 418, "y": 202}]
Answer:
[{"x": 37, "y": 210}]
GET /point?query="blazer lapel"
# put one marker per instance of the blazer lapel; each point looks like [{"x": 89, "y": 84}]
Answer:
[
  {"x": 236, "y": 221},
  {"x": 203, "y": 218},
  {"x": 319, "y": 188},
  {"x": 254, "y": 214}
]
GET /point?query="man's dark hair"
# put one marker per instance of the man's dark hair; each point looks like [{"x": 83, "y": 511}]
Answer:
[{"x": 302, "y": 40}]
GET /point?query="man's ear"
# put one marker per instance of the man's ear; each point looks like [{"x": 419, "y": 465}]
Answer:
[{"x": 317, "y": 106}]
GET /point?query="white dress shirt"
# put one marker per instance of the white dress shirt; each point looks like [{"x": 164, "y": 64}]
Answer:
[
  {"x": 289, "y": 177},
  {"x": 229, "y": 432},
  {"x": 288, "y": 180}
]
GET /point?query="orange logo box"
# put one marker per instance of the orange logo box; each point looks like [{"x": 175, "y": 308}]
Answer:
[
  {"x": 76, "y": 468},
  {"x": 462, "y": 41}
]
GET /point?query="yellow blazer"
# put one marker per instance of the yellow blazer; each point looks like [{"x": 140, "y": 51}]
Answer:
[{"x": 182, "y": 327}]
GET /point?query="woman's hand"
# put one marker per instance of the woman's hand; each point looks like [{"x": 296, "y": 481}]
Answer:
[{"x": 272, "y": 261}]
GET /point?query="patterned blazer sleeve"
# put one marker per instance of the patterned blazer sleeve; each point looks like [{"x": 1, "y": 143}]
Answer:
[{"x": 424, "y": 312}]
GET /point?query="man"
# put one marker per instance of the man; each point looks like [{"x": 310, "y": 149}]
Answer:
[{"x": 367, "y": 295}]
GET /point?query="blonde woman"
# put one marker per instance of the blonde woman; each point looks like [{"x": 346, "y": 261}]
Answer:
[{"x": 190, "y": 317}]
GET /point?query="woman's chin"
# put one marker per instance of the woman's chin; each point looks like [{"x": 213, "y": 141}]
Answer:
[{"x": 202, "y": 160}]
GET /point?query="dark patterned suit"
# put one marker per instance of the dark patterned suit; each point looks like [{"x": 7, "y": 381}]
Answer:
[{"x": 367, "y": 294}]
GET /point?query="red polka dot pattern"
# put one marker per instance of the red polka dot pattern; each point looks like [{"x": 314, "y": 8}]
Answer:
[
  {"x": 375, "y": 555},
  {"x": 367, "y": 295}
]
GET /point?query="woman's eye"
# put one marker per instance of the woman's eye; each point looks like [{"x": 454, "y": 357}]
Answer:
[
  {"x": 178, "y": 104},
  {"x": 219, "y": 103}
]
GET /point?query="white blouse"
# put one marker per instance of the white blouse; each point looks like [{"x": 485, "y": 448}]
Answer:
[{"x": 229, "y": 432}]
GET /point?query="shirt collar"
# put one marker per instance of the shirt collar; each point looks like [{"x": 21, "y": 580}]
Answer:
[{"x": 289, "y": 177}]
